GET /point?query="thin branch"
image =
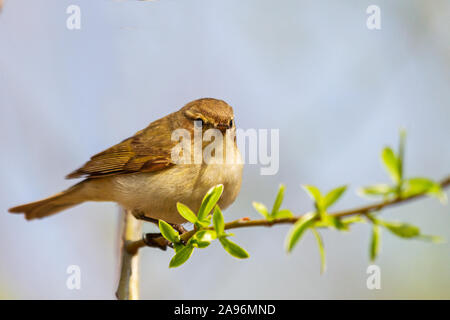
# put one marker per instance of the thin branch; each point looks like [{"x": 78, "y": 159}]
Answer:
[
  {"x": 246, "y": 222},
  {"x": 128, "y": 288},
  {"x": 375, "y": 207}
]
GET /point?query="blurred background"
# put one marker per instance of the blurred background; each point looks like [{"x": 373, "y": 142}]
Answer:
[{"x": 337, "y": 91}]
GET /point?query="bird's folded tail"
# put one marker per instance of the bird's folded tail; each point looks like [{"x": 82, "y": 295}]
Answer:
[{"x": 54, "y": 204}]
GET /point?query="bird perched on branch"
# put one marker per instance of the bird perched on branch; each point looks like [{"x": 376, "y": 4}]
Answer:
[{"x": 141, "y": 174}]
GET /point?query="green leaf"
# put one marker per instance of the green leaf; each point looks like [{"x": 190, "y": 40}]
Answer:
[
  {"x": 321, "y": 250},
  {"x": 198, "y": 244},
  {"x": 278, "y": 200},
  {"x": 202, "y": 238},
  {"x": 403, "y": 230},
  {"x": 218, "y": 222},
  {"x": 329, "y": 221},
  {"x": 298, "y": 229},
  {"x": 431, "y": 238},
  {"x": 178, "y": 246},
  {"x": 209, "y": 201},
  {"x": 261, "y": 209},
  {"x": 314, "y": 193},
  {"x": 355, "y": 219},
  {"x": 203, "y": 223},
  {"x": 437, "y": 191},
  {"x": 333, "y": 196},
  {"x": 233, "y": 249},
  {"x": 375, "y": 242},
  {"x": 206, "y": 235},
  {"x": 202, "y": 244},
  {"x": 391, "y": 163},
  {"x": 168, "y": 232},
  {"x": 419, "y": 185},
  {"x": 334, "y": 222},
  {"x": 378, "y": 190},
  {"x": 181, "y": 256},
  {"x": 408, "y": 231},
  {"x": 186, "y": 212},
  {"x": 283, "y": 213}
]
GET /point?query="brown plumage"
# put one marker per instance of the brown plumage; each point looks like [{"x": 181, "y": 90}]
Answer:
[{"x": 129, "y": 172}]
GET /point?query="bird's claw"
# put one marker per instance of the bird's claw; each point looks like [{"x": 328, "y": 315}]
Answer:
[
  {"x": 155, "y": 240},
  {"x": 179, "y": 228}
]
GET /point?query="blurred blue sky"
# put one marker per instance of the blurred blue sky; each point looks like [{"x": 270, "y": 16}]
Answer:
[{"x": 337, "y": 91}]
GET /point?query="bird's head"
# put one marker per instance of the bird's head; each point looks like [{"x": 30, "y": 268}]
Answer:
[{"x": 212, "y": 113}]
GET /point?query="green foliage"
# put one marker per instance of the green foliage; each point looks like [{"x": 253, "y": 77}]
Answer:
[
  {"x": 333, "y": 196},
  {"x": 229, "y": 246},
  {"x": 284, "y": 214},
  {"x": 209, "y": 201},
  {"x": 181, "y": 256},
  {"x": 261, "y": 209},
  {"x": 233, "y": 249},
  {"x": 315, "y": 194},
  {"x": 384, "y": 190},
  {"x": 204, "y": 234},
  {"x": 417, "y": 186},
  {"x": 276, "y": 213},
  {"x": 392, "y": 164},
  {"x": 402, "y": 187},
  {"x": 210, "y": 227},
  {"x": 375, "y": 242},
  {"x": 278, "y": 200},
  {"x": 168, "y": 232},
  {"x": 407, "y": 231},
  {"x": 202, "y": 238},
  {"x": 182, "y": 252},
  {"x": 321, "y": 250},
  {"x": 322, "y": 203},
  {"x": 400, "y": 229},
  {"x": 431, "y": 238},
  {"x": 333, "y": 222},
  {"x": 186, "y": 212},
  {"x": 320, "y": 218},
  {"x": 354, "y": 219},
  {"x": 202, "y": 219},
  {"x": 299, "y": 228},
  {"x": 219, "y": 223}
]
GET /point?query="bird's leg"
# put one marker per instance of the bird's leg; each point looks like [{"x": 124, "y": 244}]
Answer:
[
  {"x": 141, "y": 216},
  {"x": 156, "y": 239},
  {"x": 179, "y": 228}
]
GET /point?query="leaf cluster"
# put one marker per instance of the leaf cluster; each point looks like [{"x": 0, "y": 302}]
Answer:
[
  {"x": 204, "y": 234},
  {"x": 209, "y": 223}
]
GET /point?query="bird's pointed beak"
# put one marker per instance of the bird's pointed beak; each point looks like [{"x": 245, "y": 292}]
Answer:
[{"x": 222, "y": 127}]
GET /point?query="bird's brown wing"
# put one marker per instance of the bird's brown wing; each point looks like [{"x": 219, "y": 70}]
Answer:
[{"x": 148, "y": 150}]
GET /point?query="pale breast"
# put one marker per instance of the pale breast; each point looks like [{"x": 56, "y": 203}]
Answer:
[{"x": 157, "y": 193}]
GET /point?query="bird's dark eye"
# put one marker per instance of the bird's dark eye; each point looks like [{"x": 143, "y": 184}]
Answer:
[{"x": 231, "y": 123}]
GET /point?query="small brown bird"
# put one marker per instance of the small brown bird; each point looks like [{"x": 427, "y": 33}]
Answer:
[{"x": 140, "y": 175}]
